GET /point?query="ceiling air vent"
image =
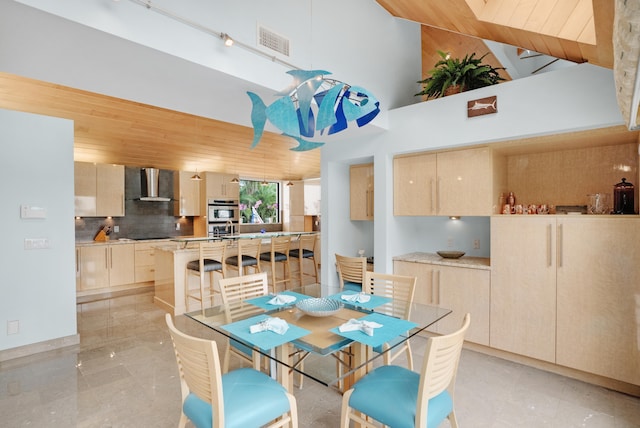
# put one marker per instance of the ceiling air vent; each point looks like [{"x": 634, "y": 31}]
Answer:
[{"x": 273, "y": 41}]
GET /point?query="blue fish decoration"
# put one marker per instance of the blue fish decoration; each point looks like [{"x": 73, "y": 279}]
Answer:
[{"x": 313, "y": 103}]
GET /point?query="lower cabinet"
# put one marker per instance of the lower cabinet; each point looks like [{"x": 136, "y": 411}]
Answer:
[
  {"x": 104, "y": 265},
  {"x": 461, "y": 289},
  {"x": 145, "y": 262}
]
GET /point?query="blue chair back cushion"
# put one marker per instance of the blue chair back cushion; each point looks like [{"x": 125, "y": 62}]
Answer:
[
  {"x": 389, "y": 395},
  {"x": 251, "y": 399}
]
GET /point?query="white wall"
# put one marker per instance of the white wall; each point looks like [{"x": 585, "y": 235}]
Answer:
[
  {"x": 38, "y": 286},
  {"x": 571, "y": 99}
]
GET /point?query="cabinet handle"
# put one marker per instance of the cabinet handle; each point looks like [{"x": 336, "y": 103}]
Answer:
[
  {"x": 433, "y": 194},
  {"x": 549, "y": 261},
  {"x": 559, "y": 241},
  {"x": 438, "y": 196},
  {"x": 106, "y": 258},
  {"x": 438, "y": 282},
  {"x": 433, "y": 286},
  {"x": 77, "y": 260}
]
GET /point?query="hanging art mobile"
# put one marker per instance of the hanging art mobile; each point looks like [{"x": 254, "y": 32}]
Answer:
[{"x": 313, "y": 103}]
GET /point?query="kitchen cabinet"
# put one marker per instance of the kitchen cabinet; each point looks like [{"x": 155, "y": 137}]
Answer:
[
  {"x": 523, "y": 285},
  {"x": 219, "y": 185},
  {"x": 99, "y": 190},
  {"x": 461, "y": 289},
  {"x": 598, "y": 282},
  {"x": 144, "y": 261},
  {"x": 361, "y": 191},
  {"x": 104, "y": 265},
  {"x": 187, "y": 194},
  {"x": 460, "y": 182}
]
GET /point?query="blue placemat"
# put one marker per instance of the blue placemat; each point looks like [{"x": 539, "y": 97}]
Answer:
[
  {"x": 262, "y": 300},
  {"x": 374, "y": 302},
  {"x": 264, "y": 340},
  {"x": 391, "y": 328}
]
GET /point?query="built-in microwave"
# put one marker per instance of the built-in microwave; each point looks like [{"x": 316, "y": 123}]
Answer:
[{"x": 222, "y": 211}]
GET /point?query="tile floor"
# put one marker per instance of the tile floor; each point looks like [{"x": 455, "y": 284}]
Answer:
[{"x": 124, "y": 374}]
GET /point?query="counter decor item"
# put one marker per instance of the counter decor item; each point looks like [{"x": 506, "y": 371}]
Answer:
[
  {"x": 623, "y": 202},
  {"x": 450, "y": 254},
  {"x": 319, "y": 307},
  {"x": 598, "y": 203},
  {"x": 454, "y": 75}
]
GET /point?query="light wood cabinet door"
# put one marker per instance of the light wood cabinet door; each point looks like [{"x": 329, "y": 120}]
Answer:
[
  {"x": 414, "y": 184},
  {"x": 144, "y": 262},
  {"x": 93, "y": 266},
  {"x": 425, "y": 290},
  {"x": 465, "y": 182},
  {"x": 598, "y": 288},
  {"x": 84, "y": 189},
  {"x": 121, "y": 264},
  {"x": 296, "y": 199},
  {"x": 109, "y": 190},
  {"x": 361, "y": 192},
  {"x": 523, "y": 285},
  {"x": 464, "y": 290},
  {"x": 219, "y": 185},
  {"x": 187, "y": 193}
]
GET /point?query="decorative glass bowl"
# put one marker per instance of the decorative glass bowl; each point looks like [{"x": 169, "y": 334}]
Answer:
[{"x": 319, "y": 307}]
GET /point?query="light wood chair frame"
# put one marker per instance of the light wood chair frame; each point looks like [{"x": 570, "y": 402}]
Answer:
[
  {"x": 438, "y": 373},
  {"x": 401, "y": 289},
  {"x": 247, "y": 247},
  {"x": 306, "y": 243},
  {"x": 234, "y": 291},
  {"x": 199, "y": 369},
  {"x": 350, "y": 269},
  {"x": 279, "y": 245},
  {"x": 206, "y": 251}
]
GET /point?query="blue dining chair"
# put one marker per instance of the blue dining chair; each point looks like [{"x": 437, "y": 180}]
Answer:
[
  {"x": 401, "y": 398},
  {"x": 239, "y": 399}
]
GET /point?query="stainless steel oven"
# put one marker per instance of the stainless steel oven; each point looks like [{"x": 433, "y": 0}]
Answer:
[{"x": 222, "y": 216}]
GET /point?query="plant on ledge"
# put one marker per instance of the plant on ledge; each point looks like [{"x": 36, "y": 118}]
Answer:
[{"x": 453, "y": 75}]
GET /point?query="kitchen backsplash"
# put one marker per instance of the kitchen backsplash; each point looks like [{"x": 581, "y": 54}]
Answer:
[{"x": 143, "y": 219}]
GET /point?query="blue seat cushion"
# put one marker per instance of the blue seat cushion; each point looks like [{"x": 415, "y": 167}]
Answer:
[
  {"x": 209, "y": 265},
  {"x": 353, "y": 286},
  {"x": 389, "y": 395},
  {"x": 305, "y": 253},
  {"x": 278, "y": 257},
  {"x": 251, "y": 399},
  {"x": 246, "y": 261}
]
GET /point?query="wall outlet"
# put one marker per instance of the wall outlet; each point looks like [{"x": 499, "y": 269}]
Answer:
[
  {"x": 476, "y": 244},
  {"x": 116, "y": 229},
  {"x": 13, "y": 327},
  {"x": 177, "y": 226}
]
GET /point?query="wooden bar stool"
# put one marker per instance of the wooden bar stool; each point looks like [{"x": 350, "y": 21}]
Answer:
[
  {"x": 306, "y": 251},
  {"x": 210, "y": 260},
  {"x": 248, "y": 256},
  {"x": 279, "y": 253}
]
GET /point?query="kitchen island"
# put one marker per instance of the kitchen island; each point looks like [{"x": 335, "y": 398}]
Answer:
[{"x": 172, "y": 258}]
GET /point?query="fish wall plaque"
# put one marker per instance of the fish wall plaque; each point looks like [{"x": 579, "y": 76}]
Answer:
[
  {"x": 313, "y": 103},
  {"x": 482, "y": 106}
]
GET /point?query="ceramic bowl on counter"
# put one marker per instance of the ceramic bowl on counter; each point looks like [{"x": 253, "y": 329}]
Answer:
[{"x": 450, "y": 254}]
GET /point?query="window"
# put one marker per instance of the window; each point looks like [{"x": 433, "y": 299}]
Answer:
[{"x": 259, "y": 202}]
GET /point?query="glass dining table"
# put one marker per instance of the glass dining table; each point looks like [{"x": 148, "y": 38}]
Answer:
[{"x": 314, "y": 344}]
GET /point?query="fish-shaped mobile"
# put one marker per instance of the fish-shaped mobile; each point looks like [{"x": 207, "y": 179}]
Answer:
[{"x": 313, "y": 103}]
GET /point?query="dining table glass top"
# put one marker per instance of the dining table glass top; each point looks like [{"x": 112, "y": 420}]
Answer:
[{"x": 313, "y": 330}]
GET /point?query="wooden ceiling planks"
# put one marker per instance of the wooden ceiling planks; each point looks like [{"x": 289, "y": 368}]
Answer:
[
  {"x": 112, "y": 130},
  {"x": 559, "y": 28}
]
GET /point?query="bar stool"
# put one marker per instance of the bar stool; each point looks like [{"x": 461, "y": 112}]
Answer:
[
  {"x": 279, "y": 253},
  {"x": 248, "y": 256},
  {"x": 306, "y": 250},
  {"x": 210, "y": 260}
]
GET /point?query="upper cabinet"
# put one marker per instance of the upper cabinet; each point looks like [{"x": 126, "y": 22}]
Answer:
[
  {"x": 218, "y": 185},
  {"x": 361, "y": 185},
  {"x": 187, "y": 193},
  {"x": 304, "y": 197},
  {"x": 461, "y": 182},
  {"x": 99, "y": 190}
]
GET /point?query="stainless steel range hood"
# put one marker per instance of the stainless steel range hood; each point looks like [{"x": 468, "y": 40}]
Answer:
[{"x": 150, "y": 179}]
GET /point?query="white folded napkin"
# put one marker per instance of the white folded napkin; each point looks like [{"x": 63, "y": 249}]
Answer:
[
  {"x": 364, "y": 326},
  {"x": 356, "y": 298},
  {"x": 282, "y": 299},
  {"x": 276, "y": 325}
]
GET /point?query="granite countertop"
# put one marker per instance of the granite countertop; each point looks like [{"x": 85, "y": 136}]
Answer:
[
  {"x": 434, "y": 259},
  {"x": 120, "y": 241}
]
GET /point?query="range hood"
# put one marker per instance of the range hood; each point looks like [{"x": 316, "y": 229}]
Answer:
[{"x": 150, "y": 178}]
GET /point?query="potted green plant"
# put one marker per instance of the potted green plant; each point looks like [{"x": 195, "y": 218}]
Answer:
[{"x": 453, "y": 75}]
